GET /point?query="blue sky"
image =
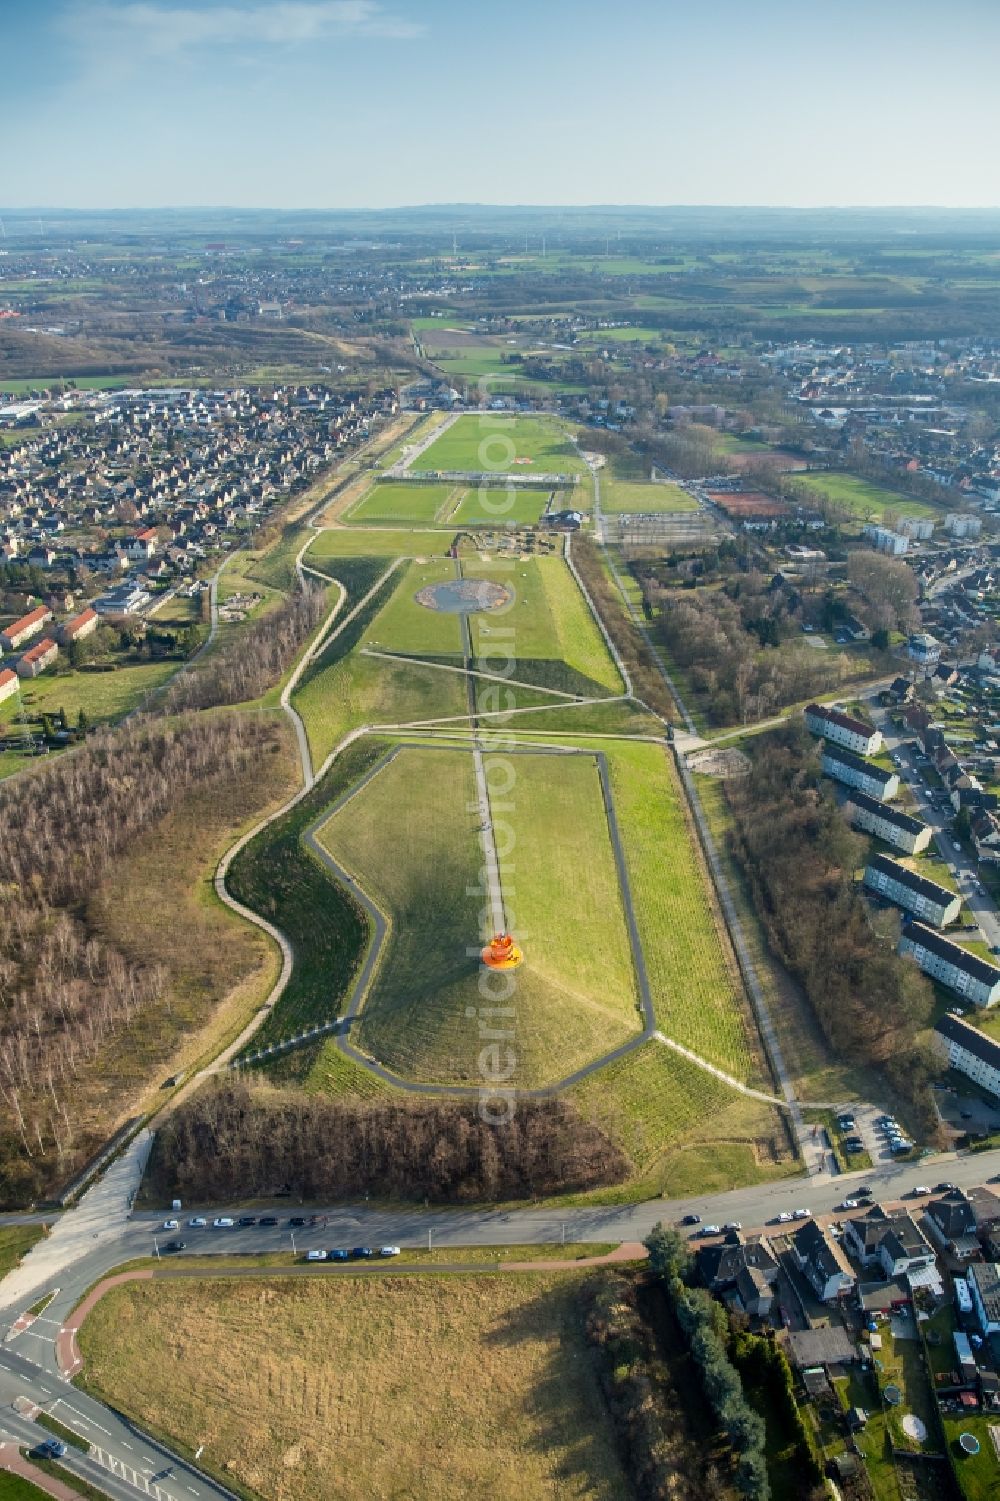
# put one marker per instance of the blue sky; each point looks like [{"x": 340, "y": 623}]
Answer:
[{"x": 376, "y": 103}]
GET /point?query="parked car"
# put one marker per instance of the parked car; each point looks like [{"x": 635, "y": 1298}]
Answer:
[
  {"x": 170, "y": 1225},
  {"x": 920, "y": 1190},
  {"x": 801, "y": 1214},
  {"x": 864, "y": 1192},
  {"x": 198, "y": 1223},
  {"x": 848, "y": 1204},
  {"x": 944, "y": 1188},
  {"x": 175, "y": 1245},
  {"x": 315, "y": 1255},
  {"x": 246, "y": 1220},
  {"x": 784, "y": 1217},
  {"x": 224, "y": 1222},
  {"x": 362, "y": 1253},
  {"x": 733, "y": 1225},
  {"x": 268, "y": 1221},
  {"x": 388, "y": 1250},
  {"x": 711, "y": 1230},
  {"x": 338, "y": 1255},
  {"x": 691, "y": 1219},
  {"x": 297, "y": 1221}
]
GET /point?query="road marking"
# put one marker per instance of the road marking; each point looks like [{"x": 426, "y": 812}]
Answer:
[{"x": 90, "y": 1422}]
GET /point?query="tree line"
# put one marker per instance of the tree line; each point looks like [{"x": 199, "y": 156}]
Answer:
[
  {"x": 66, "y": 992},
  {"x": 800, "y": 858},
  {"x": 233, "y": 1142},
  {"x": 251, "y": 662}
]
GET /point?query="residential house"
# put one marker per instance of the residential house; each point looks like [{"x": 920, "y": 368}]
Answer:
[
  {"x": 970, "y": 1051},
  {"x": 844, "y": 766},
  {"x": 983, "y": 1278},
  {"x": 21, "y": 631},
  {"x": 895, "y": 882},
  {"x": 37, "y": 658},
  {"x": 8, "y": 683},
  {"x": 887, "y": 823},
  {"x": 843, "y": 730},
  {"x": 892, "y": 1241},
  {"x": 822, "y": 1262},
  {"x": 924, "y": 649},
  {"x": 885, "y": 540},
  {"x": 719, "y": 1266},
  {"x": 971, "y": 977},
  {"x": 80, "y": 626}
]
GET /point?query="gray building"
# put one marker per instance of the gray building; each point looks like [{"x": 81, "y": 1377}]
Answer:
[
  {"x": 888, "y": 823},
  {"x": 843, "y": 730},
  {"x": 968, "y": 975},
  {"x": 854, "y": 771},
  {"x": 970, "y": 1051},
  {"x": 913, "y": 892}
]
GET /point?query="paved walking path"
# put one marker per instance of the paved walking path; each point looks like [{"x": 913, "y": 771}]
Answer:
[{"x": 98, "y": 1218}]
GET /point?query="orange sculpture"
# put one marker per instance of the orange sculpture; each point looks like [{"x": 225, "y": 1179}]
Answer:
[{"x": 502, "y": 953}]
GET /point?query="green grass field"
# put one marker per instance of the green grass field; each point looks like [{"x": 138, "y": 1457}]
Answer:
[
  {"x": 433, "y": 1388},
  {"x": 694, "y": 981},
  {"x": 625, "y": 496},
  {"x": 367, "y": 690},
  {"x": 416, "y": 503},
  {"x": 549, "y": 622},
  {"x": 862, "y": 499},
  {"x": 414, "y": 629},
  {"x": 494, "y": 441},
  {"x": 411, "y": 842},
  {"x": 501, "y": 507},
  {"x": 102, "y": 695},
  {"x": 376, "y": 542}
]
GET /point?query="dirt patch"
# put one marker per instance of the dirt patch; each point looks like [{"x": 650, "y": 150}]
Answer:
[{"x": 719, "y": 763}]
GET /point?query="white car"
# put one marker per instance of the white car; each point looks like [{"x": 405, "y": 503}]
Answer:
[
  {"x": 850, "y": 1203},
  {"x": 710, "y": 1230},
  {"x": 223, "y": 1223},
  {"x": 315, "y": 1255},
  {"x": 784, "y": 1217},
  {"x": 802, "y": 1214},
  {"x": 388, "y": 1250},
  {"x": 170, "y": 1225},
  {"x": 198, "y": 1223},
  {"x": 922, "y": 1188}
]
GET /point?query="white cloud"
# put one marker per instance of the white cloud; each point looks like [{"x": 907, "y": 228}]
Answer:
[{"x": 141, "y": 31}]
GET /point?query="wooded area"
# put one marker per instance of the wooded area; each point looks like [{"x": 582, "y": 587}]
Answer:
[
  {"x": 245, "y": 667},
  {"x": 66, "y": 991},
  {"x": 232, "y": 1142},
  {"x": 800, "y": 856}
]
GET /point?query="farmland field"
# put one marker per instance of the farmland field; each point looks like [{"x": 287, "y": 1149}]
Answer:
[
  {"x": 387, "y": 502},
  {"x": 433, "y": 1387},
  {"x": 414, "y": 846},
  {"x": 493, "y": 441}
]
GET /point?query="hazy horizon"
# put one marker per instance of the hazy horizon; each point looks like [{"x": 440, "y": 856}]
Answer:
[{"x": 371, "y": 105}]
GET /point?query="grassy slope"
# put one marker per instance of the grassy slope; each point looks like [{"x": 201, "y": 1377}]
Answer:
[
  {"x": 695, "y": 987},
  {"x": 415, "y": 849},
  {"x": 862, "y": 498},
  {"x": 434, "y": 1387},
  {"x": 365, "y": 690},
  {"x": 348, "y": 542}
]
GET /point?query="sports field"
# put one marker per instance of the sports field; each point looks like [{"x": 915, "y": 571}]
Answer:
[
  {"x": 412, "y": 839},
  {"x": 494, "y": 441},
  {"x": 625, "y": 496},
  {"x": 433, "y": 1388},
  {"x": 411, "y": 628},
  {"x": 496, "y": 506},
  {"x": 376, "y": 542},
  {"x": 419, "y": 504},
  {"x": 862, "y": 499}
]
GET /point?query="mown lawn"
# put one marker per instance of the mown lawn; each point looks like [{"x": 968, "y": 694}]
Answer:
[
  {"x": 382, "y": 542},
  {"x": 415, "y": 848},
  {"x": 434, "y": 1388},
  {"x": 621, "y": 495},
  {"x": 861, "y": 498},
  {"x": 387, "y": 502},
  {"x": 495, "y": 442},
  {"x": 695, "y": 985}
]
